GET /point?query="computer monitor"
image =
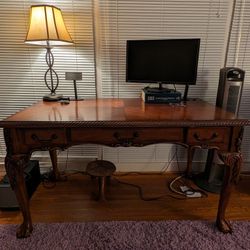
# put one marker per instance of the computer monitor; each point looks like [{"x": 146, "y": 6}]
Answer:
[{"x": 170, "y": 61}]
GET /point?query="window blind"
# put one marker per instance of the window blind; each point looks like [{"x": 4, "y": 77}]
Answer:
[
  {"x": 121, "y": 20},
  {"x": 239, "y": 56},
  {"x": 22, "y": 66}
]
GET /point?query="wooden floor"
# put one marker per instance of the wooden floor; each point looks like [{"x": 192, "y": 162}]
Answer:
[{"x": 71, "y": 200}]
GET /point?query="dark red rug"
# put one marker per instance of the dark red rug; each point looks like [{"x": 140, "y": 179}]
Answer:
[{"x": 128, "y": 235}]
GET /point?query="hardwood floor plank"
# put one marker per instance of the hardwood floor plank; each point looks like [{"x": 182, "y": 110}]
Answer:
[{"x": 72, "y": 201}]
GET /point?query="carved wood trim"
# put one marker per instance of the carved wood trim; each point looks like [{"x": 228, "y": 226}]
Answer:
[
  {"x": 234, "y": 161},
  {"x": 15, "y": 164},
  {"x": 238, "y": 140},
  {"x": 8, "y": 141},
  {"x": 121, "y": 124}
]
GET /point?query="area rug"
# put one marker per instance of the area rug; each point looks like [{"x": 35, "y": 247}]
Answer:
[{"x": 124, "y": 235}]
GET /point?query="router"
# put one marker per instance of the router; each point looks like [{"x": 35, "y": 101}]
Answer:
[{"x": 156, "y": 95}]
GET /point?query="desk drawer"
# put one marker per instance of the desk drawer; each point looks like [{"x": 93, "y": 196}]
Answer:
[
  {"x": 209, "y": 136},
  {"x": 127, "y": 136},
  {"x": 45, "y": 136}
]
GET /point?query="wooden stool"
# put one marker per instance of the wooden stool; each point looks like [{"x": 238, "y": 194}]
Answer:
[{"x": 101, "y": 169}]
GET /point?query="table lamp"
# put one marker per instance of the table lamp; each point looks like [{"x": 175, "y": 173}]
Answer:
[{"x": 47, "y": 28}]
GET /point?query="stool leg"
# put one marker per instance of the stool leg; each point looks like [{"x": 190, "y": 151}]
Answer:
[
  {"x": 108, "y": 180},
  {"x": 102, "y": 188}
]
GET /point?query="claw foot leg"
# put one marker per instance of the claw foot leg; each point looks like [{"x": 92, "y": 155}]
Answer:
[
  {"x": 232, "y": 163},
  {"x": 224, "y": 226},
  {"x": 24, "y": 230}
]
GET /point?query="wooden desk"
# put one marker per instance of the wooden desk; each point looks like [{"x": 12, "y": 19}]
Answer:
[{"x": 120, "y": 122}]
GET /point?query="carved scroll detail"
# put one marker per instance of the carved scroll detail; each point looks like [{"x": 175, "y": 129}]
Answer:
[
  {"x": 238, "y": 141},
  {"x": 233, "y": 160},
  {"x": 8, "y": 141},
  {"x": 15, "y": 164}
]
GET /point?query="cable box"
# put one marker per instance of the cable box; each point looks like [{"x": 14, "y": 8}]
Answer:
[
  {"x": 32, "y": 179},
  {"x": 153, "y": 95}
]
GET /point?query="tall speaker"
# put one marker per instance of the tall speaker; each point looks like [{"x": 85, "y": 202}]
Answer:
[
  {"x": 228, "y": 97},
  {"x": 230, "y": 89}
]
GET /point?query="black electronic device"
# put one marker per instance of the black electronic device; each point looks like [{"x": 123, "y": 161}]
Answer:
[
  {"x": 230, "y": 89},
  {"x": 32, "y": 179},
  {"x": 170, "y": 61},
  {"x": 151, "y": 95},
  {"x": 228, "y": 97}
]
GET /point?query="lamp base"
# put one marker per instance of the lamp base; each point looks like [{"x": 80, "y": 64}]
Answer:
[
  {"x": 78, "y": 99},
  {"x": 52, "y": 98}
]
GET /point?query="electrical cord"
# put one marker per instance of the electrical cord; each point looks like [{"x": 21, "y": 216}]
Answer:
[
  {"x": 189, "y": 192},
  {"x": 48, "y": 179},
  {"x": 172, "y": 183},
  {"x": 75, "y": 172},
  {"x": 141, "y": 195},
  {"x": 169, "y": 163},
  {"x": 137, "y": 173},
  {"x": 185, "y": 194}
]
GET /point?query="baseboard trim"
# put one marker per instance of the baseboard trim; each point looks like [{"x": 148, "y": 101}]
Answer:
[{"x": 79, "y": 164}]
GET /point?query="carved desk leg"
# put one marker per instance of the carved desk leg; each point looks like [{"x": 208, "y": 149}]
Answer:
[
  {"x": 53, "y": 157},
  {"x": 232, "y": 170},
  {"x": 15, "y": 165}
]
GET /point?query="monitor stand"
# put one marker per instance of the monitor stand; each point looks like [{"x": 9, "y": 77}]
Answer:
[
  {"x": 160, "y": 89},
  {"x": 184, "y": 99}
]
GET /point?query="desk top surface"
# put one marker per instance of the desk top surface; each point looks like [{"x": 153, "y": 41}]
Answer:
[{"x": 122, "y": 111}]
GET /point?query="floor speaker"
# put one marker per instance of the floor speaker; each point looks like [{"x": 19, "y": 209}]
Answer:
[{"x": 228, "y": 97}]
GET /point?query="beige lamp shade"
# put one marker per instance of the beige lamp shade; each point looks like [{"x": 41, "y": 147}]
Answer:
[{"x": 47, "y": 27}]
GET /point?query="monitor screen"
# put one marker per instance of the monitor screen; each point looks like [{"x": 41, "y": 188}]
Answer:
[{"x": 172, "y": 61}]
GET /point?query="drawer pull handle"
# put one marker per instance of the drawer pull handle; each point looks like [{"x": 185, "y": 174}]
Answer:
[
  {"x": 44, "y": 141},
  {"x": 126, "y": 142},
  {"x": 198, "y": 138}
]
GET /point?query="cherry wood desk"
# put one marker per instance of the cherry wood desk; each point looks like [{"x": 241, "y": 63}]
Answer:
[{"x": 120, "y": 122}]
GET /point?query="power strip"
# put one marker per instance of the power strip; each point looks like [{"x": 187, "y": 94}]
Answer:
[{"x": 190, "y": 193}]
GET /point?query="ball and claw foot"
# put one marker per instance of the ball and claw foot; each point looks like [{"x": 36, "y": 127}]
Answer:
[
  {"x": 224, "y": 226},
  {"x": 24, "y": 230}
]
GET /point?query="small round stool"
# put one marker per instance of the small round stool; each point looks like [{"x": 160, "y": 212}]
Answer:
[{"x": 101, "y": 169}]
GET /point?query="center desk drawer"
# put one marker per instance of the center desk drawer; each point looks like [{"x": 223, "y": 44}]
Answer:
[
  {"x": 45, "y": 136},
  {"x": 209, "y": 136},
  {"x": 126, "y": 136}
]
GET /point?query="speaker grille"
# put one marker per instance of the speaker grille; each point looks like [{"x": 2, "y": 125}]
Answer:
[{"x": 233, "y": 98}]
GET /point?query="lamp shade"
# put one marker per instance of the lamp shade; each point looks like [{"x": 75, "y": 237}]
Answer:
[{"x": 46, "y": 27}]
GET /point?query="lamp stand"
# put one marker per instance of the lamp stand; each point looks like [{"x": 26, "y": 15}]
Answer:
[
  {"x": 74, "y": 76},
  {"x": 49, "y": 77}
]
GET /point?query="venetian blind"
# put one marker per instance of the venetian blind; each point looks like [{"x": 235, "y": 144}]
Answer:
[
  {"x": 22, "y": 66},
  {"x": 121, "y": 20},
  {"x": 239, "y": 56}
]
